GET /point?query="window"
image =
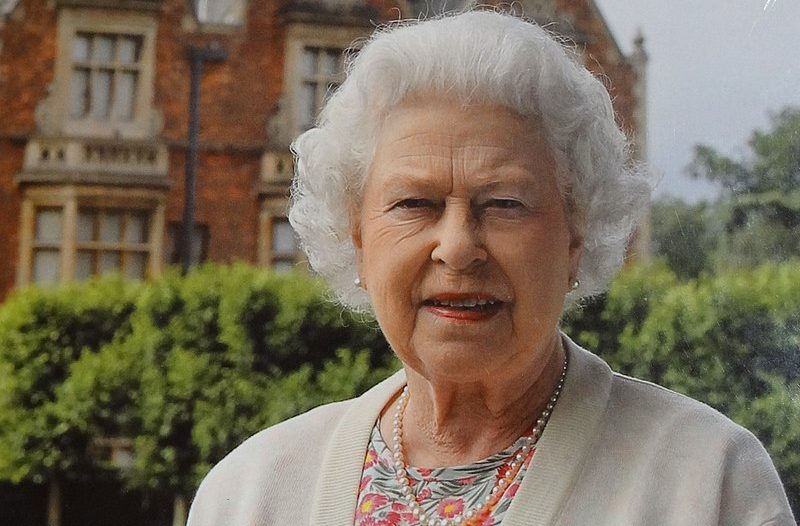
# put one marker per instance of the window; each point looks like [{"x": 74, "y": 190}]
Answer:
[
  {"x": 75, "y": 233},
  {"x": 220, "y": 12},
  {"x": 200, "y": 239},
  {"x": 48, "y": 237},
  {"x": 112, "y": 240},
  {"x": 105, "y": 76},
  {"x": 313, "y": 66},
  {"x": 105, "y": 241},
  {"x": 320, "y": 72},
  {"x": 283, "y": 244}
]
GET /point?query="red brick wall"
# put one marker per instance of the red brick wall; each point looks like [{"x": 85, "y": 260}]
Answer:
[
  {"x": 26, "y": 69},
  {"x": 236, "y": 95},
  {"x": 236, "y": 98},
  {"x": 225, "y": 201},
  {"x": 603, "y": 58},
  {"x": 26, "y": 65},
  {"x": 10, "y": 163}
]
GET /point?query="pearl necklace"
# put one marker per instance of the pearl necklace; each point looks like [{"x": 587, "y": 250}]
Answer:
[{"x": 401, "y": 470}]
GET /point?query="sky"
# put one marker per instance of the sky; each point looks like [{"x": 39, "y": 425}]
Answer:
[{"x": 717, "y": 70}]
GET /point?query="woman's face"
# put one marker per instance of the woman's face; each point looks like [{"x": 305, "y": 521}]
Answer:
[{"x": 463, "y": 241}]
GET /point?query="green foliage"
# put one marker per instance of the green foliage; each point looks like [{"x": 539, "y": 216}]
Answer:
[
  {"x": 46, "y": 338},
  {"x": 742, "y": 232},
  {"x": 774, "y": 166},
  {"x": 187, "y": 367},
  {"x": 231, "y": 350},
  {"x": 757, "y": 220},
  {"x": 685, "y": 235},
  {"x": 731, "y": 341}
]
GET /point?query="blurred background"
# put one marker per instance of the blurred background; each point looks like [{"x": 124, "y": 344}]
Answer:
[{"x": 155, "y": 309}]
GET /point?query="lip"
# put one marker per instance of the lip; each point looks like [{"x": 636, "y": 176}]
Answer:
[
  {"x": 460, "y": 314},
  {"x": 455, "y": 296}
]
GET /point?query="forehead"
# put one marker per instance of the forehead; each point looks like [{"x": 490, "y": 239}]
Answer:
[{"x": 421, "y": 140}]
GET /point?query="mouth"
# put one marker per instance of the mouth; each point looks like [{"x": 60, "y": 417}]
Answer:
[
  {"x": 465, "y": 304},
  {"x": 467, "y": 307}
]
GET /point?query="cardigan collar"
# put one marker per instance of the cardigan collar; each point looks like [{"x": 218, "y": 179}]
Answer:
[{"x": 560, "y": 452}]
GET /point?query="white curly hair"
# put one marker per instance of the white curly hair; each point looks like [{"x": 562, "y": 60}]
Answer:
[{"x": 477, "y": 55}]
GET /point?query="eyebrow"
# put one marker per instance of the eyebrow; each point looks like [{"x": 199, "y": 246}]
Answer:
[{"x": 406, "y": 178}]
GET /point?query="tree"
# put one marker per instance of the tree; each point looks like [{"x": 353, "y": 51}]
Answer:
[
  {"x": 774, "y": 165},
  {"x": 44, "y": 335},
  {"x": 228, "y": 351},
  {"x": 685, "y": 235},
  {"x": 761, "y": 194}
]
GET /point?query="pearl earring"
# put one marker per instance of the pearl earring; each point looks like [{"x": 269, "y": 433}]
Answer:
[
  {"x": 357, "y": 282},
  {"x": 576, "y": 284}
]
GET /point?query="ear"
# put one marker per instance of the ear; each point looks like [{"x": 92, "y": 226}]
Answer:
[
  {"x": 575, "y": 253},
  {"x": 355, "y": 236}
]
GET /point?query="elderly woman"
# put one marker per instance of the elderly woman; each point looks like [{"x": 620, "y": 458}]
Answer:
[{"x": 465, "y": 183}]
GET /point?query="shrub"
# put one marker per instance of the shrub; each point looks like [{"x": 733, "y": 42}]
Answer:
[{"x": 44, "y": 337}]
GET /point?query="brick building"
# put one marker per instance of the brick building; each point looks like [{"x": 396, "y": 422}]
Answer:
[{"x": 94, "y": 99}]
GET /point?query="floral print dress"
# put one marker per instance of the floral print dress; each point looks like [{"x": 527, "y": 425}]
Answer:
[{"x": 442, "y": 492}]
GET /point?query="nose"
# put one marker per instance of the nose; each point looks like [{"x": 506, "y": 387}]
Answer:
[{"x": 458, "y": 244}]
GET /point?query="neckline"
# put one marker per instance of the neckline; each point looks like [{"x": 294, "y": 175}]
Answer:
[
  {"x": 555, "y": 467},
  {"x": 495, "y": 458}
]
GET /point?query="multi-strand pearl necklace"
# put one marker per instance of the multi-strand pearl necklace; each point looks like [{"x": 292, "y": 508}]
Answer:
[{"x": 401, "y": 469}]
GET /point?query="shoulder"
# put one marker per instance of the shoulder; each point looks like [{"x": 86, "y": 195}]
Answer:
[
  {"x": 690, "y": 444},
  {"x": 657, "y": 445},
  {"x": 304, "y": 434},
  {"x": 280, "y": 460},
  {"x": 271, "y": 478},
  {"x": 656, "y": 414},
  {"x": 655, "y": 402}
]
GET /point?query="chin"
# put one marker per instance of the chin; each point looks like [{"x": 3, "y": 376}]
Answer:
[{"x": 466, "y": 362}]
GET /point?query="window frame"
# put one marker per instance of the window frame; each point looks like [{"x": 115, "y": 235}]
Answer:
[
  {"x": 74, "y": 21},
  {"x": 276, "y": 259},
  {"x": 218, "y": 24},
  {"x": 70, "y": 199},
  {"x": 275, "y": 209},
  {"x": 201, "y": 239},
  {"x": 299, "y": 37},
  {"x": 124, "y": 249}
]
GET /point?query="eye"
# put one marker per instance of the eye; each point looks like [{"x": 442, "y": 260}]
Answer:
[
  {"x": 414, "y": 202},
  {"x": 505, "y": 204}
]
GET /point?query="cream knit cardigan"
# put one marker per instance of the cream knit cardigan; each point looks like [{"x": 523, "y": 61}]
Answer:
[{"x": 616, "y": 451}]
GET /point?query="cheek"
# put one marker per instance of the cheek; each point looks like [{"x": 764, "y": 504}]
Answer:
[{"x": 537, "y": 266}]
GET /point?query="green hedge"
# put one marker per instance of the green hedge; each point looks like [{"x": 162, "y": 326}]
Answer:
[{"x": 188, "y": 367}]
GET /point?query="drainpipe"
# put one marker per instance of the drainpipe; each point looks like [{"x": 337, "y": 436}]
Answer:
[{"x": 197, "y": 57}]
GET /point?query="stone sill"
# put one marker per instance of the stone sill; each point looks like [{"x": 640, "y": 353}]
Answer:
[
  {"x": 319, "y": 12},
  {"x": 91, "y": 178},
  {"x": 272, "y": 189},
  {"x": 75, "y": 155},
  {"x": 130, "y": 5}
]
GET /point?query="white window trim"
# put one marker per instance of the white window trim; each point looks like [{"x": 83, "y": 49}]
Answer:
[
  {"x": 200, "y": 8},
  {"x": 299, "y": 36},
  {"x": 273, "y": 209},
  {"x": 79, "y": 20},
  {"x": 69, "y": 198}
]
